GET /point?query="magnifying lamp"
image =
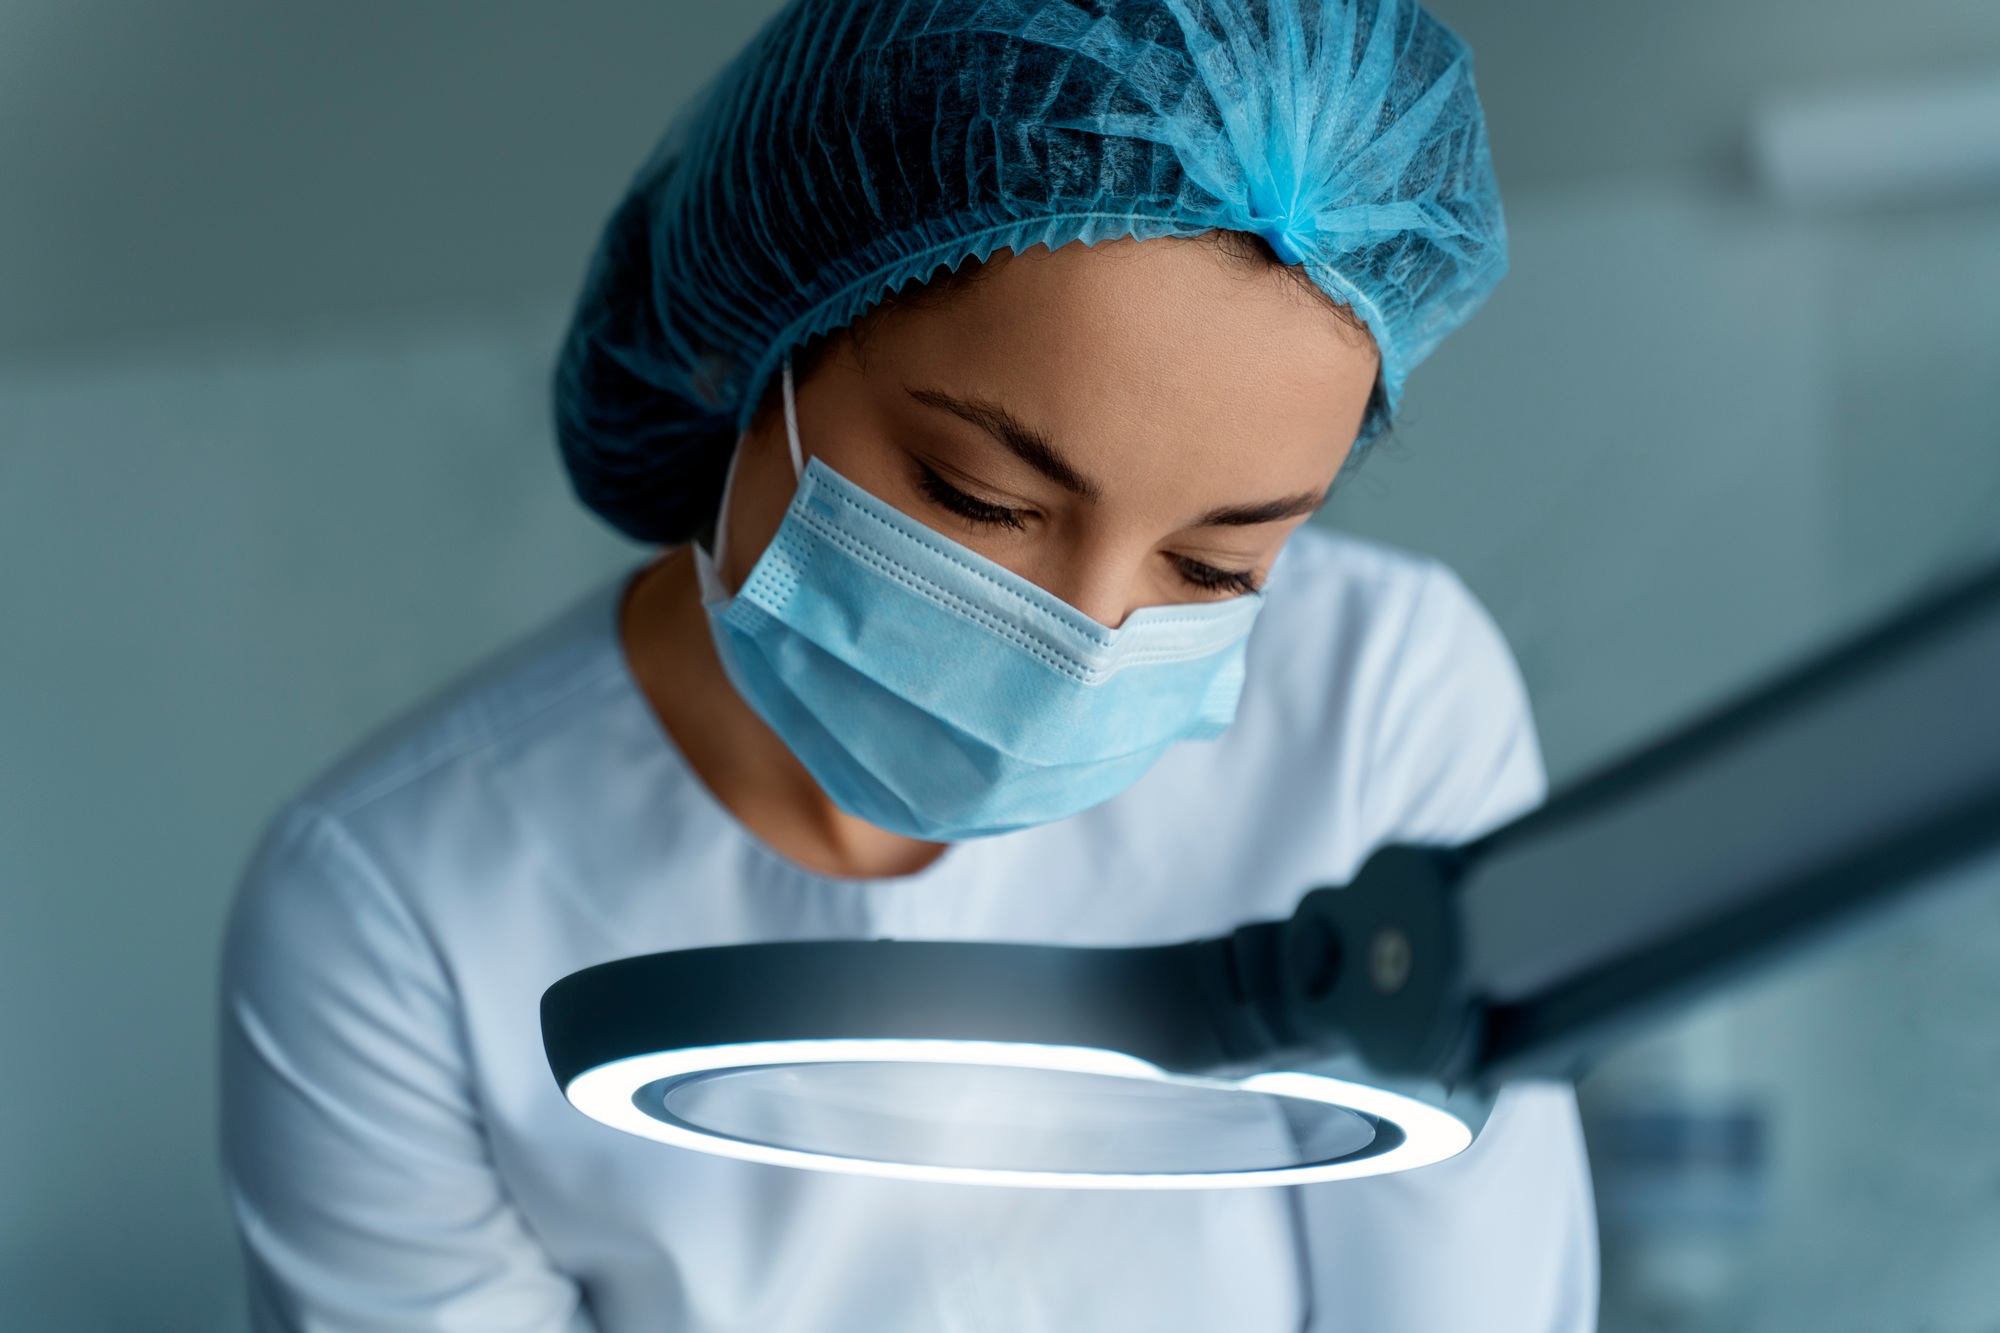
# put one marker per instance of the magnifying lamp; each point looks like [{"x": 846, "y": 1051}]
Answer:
[{"x": 1326, "y": 1046}]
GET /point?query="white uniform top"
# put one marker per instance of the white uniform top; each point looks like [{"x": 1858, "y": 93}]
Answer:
[{"x": 399, "y": 1157}]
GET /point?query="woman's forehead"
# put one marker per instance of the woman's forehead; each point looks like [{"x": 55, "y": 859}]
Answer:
[{"x": 1162, "y": 350}]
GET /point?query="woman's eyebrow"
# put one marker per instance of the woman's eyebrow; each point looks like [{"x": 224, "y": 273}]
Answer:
[
  {"x": 1023, "y": 441},
  {"x": 1264, "y": 511},
  {"x": 1034, "y": 448}
]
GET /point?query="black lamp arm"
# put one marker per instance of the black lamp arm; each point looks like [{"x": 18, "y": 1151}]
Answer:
[
  {"x": 1373, "y": 968},
  {"x": 1851, "y": 782}
]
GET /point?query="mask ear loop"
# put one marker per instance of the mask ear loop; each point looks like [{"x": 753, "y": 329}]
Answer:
[
  {"x": 792, "y": 423},
  {"x": 707, "y": 562}
]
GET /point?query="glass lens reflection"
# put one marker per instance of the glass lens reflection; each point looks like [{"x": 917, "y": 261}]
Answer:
[{"x": 992, "y": 1118}]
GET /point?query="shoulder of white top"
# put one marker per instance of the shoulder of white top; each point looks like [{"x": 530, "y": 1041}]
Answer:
[
  {"x": 506, "y": 697},
  {"x": 1319, "y": 559}
]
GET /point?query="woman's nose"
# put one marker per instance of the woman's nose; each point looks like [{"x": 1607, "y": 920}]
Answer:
[
  {"x": 1104, "y": 585},
  {"x": 1109, "y": 609}
]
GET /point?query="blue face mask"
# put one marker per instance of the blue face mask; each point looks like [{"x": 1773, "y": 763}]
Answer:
[{"x": 937, "y": 695}]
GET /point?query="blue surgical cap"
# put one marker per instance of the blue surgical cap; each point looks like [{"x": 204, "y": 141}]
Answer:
[{"x": 858, "y": 146}]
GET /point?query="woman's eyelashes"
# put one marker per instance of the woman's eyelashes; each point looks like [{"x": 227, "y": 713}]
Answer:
[
  {"x": 968, "y": 507},
  {"x": 1196, "y": 574},
  {"x": 1226, "y": 582}
]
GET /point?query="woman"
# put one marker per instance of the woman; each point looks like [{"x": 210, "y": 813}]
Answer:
[{"x": 941, "y": 347}]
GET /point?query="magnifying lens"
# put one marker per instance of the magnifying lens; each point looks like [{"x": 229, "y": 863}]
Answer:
[
  {"x": 1146, "y": 1068},
  {"x": 1358, "y": 1036}
]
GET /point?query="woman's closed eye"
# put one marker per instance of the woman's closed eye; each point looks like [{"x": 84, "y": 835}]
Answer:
[
  {"x": 1197, "y": 574},
  {"x": 968, "y": 507},
  {"x": 1210, "y": 579}
]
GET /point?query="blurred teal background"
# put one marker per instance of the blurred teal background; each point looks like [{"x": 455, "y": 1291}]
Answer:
[{"x": 278, "y": 292}]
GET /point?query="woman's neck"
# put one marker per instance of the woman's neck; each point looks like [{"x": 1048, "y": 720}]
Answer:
[{"x": 739, "y": 759}]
